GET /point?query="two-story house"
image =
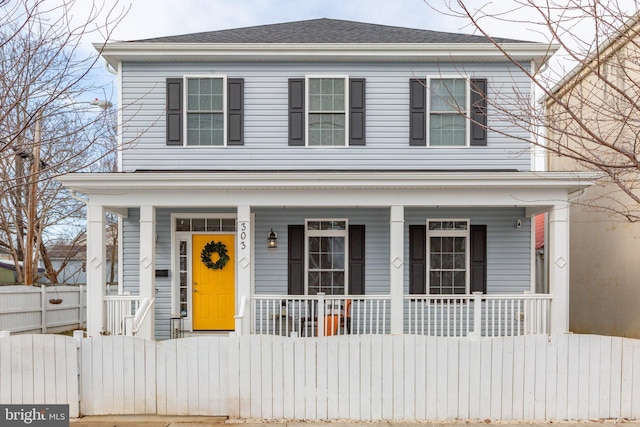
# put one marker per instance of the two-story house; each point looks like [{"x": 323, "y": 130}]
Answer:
[{"x": 269, "y": 174}]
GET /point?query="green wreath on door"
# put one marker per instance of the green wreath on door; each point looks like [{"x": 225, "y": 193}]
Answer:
[{"x": 211, "y": 248}]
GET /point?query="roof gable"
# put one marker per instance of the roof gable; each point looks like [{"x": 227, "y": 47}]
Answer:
[{"x": 324, "y": 31}]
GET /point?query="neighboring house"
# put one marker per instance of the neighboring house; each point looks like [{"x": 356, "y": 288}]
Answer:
[
  {"x": 74, "y": 257},
  {"x": 275, "y": 163},
  {"x": 605, "y": 272},
  {"x": 8, "y": 274}
]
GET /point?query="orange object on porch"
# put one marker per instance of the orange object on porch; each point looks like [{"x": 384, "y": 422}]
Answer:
[{"x": 331, "y": 324}]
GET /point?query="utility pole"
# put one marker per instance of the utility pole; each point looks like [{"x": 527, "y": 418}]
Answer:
[{"x": 30, "y": 260}]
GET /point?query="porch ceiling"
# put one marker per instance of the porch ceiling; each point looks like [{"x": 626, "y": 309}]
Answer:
[{"x": 324, "y": 188}]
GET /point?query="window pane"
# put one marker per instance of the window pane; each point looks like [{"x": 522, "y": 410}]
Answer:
[
  {"x": 313, "y": 225},
  {"x": 198, "y": 224},
  {"x": 447, "y": 130},
  {"x": 326, "y": 129},
  {"x": 314, "y": 261},
  {"x": 183, "y": 224},
  {"x": 228, "y": 224},
  {"x": 448, "y": 94},
  {"x": 213, "y": 224}
]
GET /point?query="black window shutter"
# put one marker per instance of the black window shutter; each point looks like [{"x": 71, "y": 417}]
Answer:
[
  {"x": 356, "y": 259},
  {"x": 296, "y": 259},
  {"x": 478, "y": 258},
  {"x": 478, "y": 112},
  {"x": 417, "y": 112},
  {"x": 417, "y": 259},
  {"x": 296, "y": 112},
  {"x": 235, "y": 111},
  {"x": 174, "y": 111},
  {"x": 357, "y": 111}
]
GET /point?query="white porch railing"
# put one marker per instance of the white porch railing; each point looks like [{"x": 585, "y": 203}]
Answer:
[
  {"x": 132, "y": 324},
  {"x": 435, "y": 315},
  {"x": 478, "y": 314},
  {"x": 338, "y": 315},
  {"x": 117, "y": 308}
]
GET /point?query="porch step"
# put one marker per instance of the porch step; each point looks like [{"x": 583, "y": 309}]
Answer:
[{"x": 147, "y": 421}]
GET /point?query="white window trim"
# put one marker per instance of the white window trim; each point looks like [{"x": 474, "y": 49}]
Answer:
[
  {"x": 185, "y": 101},
  {"x": 346, "y": 108},
  {"x": 467, "y": 114},
  {"x": 326, "y": 233},
  {"x": 177, "y": 236},
  {"x": 450, "y": 233}
]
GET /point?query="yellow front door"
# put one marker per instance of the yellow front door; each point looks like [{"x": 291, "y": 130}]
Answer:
[{"x": 213, "y": 289}]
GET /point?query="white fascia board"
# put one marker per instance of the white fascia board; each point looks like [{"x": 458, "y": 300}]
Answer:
[
  {"x": 339, "y": 197},
  {"x": 97, "y": 183},
  {"x": 383, "y": 52}
]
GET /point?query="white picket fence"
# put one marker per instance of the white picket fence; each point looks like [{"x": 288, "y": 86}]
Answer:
[
  {"x": 39, "y": 369},
  {"x": 361, "y": 377},
  {"x": 28, "y": 309}
]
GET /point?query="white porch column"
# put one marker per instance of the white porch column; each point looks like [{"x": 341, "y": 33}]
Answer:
[
  {"x": 147, "y": 266},
  {"x": 559, "y": 267},
  {"x": 96, "y": 271},
  {"x": 396, "y": 266},
  {"x": 244, "y": 239}
]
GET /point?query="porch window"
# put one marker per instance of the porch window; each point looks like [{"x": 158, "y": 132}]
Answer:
[
  {"x": 327, "y": 101},
  {"x": 448, "y": 112},
  {"x": 205, "y": 111},
  {"x": 205, "y": 224},
  {"x": 326, "y": 256},
  {"x": 448, "y": 260},
  {"x": 184, "y": 280}
]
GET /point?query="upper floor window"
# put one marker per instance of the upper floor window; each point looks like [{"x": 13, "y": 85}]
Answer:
[
  {"x": 327, "y": 118},
  {"x": 448, "y": 112},
  {"x": 205, "y": 111}
]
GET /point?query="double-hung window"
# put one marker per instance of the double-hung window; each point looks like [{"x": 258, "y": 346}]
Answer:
[
  {"x": 205, "y": 101},
  {"x": 327, "y": 101},
  {"x": 448, "y": 121},
  {"x": 448, "y": 256},
  {"x": 326, "y": 256}
]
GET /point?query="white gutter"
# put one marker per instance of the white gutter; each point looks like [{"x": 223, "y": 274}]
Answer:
[
  {"x": 158, "y": 51},
  {"x": 106, "y": 182}
]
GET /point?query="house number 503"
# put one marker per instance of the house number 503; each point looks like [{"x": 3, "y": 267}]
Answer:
[{"x": 243, "y": 235}]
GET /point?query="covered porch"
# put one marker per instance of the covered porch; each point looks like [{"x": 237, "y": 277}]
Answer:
[{"x": 392, "y": 205}]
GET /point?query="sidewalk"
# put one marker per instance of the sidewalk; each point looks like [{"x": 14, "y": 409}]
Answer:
[
  {"x": 146, "y": 421},
  {"x": 194, "y": 421}
]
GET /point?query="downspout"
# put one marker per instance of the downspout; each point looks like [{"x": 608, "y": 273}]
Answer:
[
  {"x": 109, "y": 68},
  {"x": 82, "y": 200}
]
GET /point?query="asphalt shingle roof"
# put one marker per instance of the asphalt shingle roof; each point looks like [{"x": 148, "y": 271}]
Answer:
[{"x": 324, "y": 31}]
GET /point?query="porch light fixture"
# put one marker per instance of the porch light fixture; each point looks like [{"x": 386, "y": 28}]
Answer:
[{"x": 272, "y": 238}]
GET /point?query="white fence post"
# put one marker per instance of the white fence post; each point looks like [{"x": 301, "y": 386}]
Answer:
[
  {"x": 43, "y": 307},
  {"x": 320, "y": 316},
  {"x": 4, "y": 334},
  {"x": 477, "y": 315}
]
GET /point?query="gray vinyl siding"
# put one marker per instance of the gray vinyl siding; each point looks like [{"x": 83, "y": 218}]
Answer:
[{"x": 266, "y": 111}]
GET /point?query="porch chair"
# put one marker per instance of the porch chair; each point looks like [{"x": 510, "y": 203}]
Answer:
[{"x": 338, "y": 311}]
